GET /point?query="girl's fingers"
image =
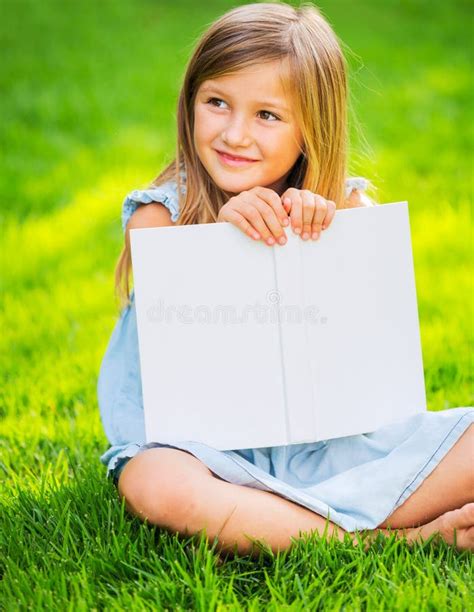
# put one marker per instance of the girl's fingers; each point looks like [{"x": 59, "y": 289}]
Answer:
[
  {"x": 234, "y": 217},
  {"x": 253, "y": 216},
  {"x": 331, "y": 211},
  {"x": 309, "y": 210},
  {"x": 244, "y": 206},
  {"x": 319, "y": 216},
  {"x": 259, "y": 213},
  {"x": 263, "y": 218},
  {"x": 296, "y": 212},
  {"x": 273, "y": 199}
]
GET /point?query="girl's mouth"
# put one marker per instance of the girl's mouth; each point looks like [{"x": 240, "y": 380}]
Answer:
[{"x": 228, "y": 160}]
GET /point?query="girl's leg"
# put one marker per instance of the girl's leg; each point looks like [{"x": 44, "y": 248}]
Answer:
[
  {"x": 449, "y": 486},
  {"x": 173, "y": 489}
]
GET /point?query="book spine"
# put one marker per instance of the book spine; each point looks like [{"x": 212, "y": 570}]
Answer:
[{"x": 292, "y": 328}]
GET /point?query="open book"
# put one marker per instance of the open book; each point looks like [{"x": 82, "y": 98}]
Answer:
[{"x": 245, "y": 345}]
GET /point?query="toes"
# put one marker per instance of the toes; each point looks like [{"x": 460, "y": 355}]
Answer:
[
  {"x": 462, "y": 518},
  {"x": 457, "y": 527},
  {"x": 465, "y": 539}
]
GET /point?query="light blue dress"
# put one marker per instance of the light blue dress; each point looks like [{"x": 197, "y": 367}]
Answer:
[{"x": 356, "y": 481}]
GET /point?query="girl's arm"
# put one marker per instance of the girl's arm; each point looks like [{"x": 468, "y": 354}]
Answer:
[
  {"x": 148, "y": 215},
  {"x": 357, "y": 197}
]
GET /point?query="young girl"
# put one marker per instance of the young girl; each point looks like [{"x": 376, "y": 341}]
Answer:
[{"x": 262, "y": 144}]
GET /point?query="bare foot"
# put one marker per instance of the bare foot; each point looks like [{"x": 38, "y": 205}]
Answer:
[{"x": 454, "y": 527}]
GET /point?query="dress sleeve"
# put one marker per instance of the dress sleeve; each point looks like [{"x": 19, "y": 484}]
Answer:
[
  {"x": 165, "y": 194},
  {"x": 358, "y": 184}
]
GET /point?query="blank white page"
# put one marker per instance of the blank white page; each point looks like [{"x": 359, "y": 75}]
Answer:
[
  {"x": 210, "y": 356},
  {"x": 364, "y": 346}
]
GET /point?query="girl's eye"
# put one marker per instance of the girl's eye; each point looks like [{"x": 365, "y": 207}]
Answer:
[
  {"x": 268, "y": 113},
  {"x": 215, "y": 102}
]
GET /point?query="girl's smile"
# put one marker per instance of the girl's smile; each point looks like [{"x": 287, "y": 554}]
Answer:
[
  {"x": 230, "y": 160},
  {"x": 244, "y": 131}
]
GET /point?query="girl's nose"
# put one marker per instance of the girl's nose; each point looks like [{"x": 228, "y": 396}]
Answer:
[{"x": 236, "y": 132}]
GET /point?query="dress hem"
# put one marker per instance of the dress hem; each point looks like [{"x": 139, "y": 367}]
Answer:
[
  {"x": 230, "y": 467},
  {"x": 444, "y": 447}
]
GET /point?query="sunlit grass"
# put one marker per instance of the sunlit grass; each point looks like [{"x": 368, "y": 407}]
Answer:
[{"x": 88, "y": 106}]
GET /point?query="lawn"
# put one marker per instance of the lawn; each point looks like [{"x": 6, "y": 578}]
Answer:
[{"x": 88, "y": 102}]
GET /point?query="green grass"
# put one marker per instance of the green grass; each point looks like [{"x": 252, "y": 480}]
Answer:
[{"x": 88, "y": 101}]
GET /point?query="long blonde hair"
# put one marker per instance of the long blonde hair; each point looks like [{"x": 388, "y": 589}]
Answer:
[{"x": 316, "y": 83}]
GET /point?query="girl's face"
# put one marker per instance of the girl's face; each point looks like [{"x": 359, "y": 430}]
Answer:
[{"x": 246, "y": 114}]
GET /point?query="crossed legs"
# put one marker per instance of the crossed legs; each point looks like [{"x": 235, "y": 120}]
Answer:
[{"x": 175, "y": 490}]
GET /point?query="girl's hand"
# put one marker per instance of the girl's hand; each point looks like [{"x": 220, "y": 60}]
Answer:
[
  {"x": 309, "y": 212},
  {"x": 259, "y": 213}
]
